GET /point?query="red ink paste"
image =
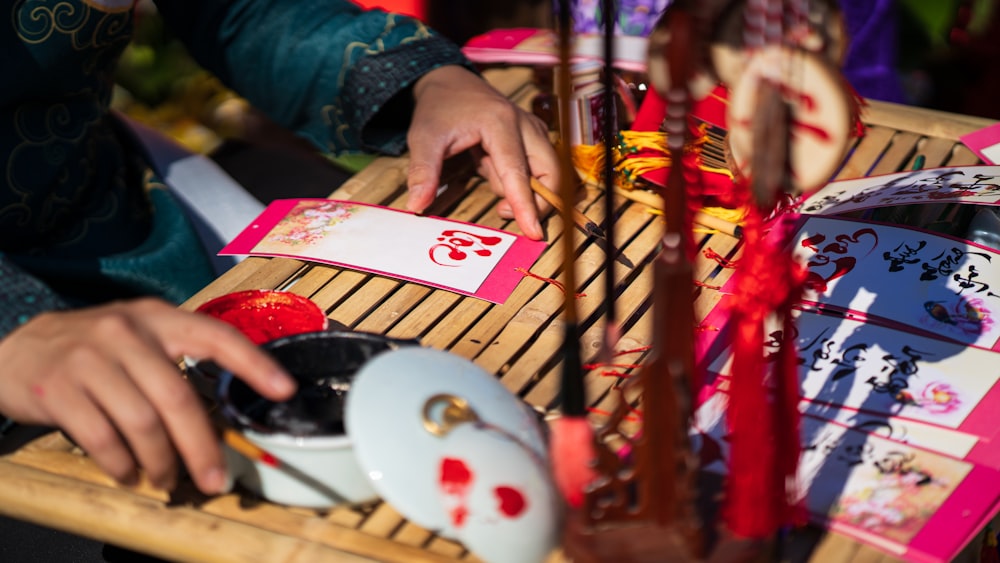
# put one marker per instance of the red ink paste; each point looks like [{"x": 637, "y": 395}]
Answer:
[{"x": 263, "y": 315}]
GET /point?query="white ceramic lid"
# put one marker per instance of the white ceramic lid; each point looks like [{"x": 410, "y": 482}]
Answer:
[
  {"x": 397, "y": 415},
  {"x": 499, "y": 497}
]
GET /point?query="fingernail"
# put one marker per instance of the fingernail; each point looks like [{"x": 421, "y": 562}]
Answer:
[
  {"x": 216, "y": 480},
  {"x": 165, "y": 483},
  {"x": 281, "y": 382},
  {"x": 129, "y": 480},
  {"x": 537, "y": 228}
]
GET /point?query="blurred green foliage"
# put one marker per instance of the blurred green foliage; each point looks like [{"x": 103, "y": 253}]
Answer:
[{"x": 154, "y": 65}]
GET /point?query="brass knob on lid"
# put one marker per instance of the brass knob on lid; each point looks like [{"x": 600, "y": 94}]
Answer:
[{"x": 444, "y": 411}]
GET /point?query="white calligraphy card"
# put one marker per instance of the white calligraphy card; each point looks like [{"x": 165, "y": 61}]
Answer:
[
  {"x": 846, "y": 364},
  {"x": 947, "y": 441},
  {"x": 460, "y": 257},
  {"x": 957, "y": 184},
  {"x": 914, "y": 503},
  {"x": 942, "y": 285},
  {"x": 952, "y": 443}
]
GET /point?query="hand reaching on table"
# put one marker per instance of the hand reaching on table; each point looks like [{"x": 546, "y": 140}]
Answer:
[
  {"x": 455, "y": 111},
  {"x": 108, "y": 377}
]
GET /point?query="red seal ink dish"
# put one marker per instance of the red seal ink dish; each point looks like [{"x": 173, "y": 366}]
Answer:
[{"x": 265, "y": 315}]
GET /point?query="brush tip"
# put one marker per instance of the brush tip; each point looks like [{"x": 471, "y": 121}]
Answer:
[
  {"x": 595, "y": 231},
  {"x": 573, "y": 458}
]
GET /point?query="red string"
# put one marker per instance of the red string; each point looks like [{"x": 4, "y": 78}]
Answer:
[
  {"x": 554, "y": 282},
  {"x": 610, "y": 365},
  {"x": 600, "y": 412},
  {"x": 612, "y": 373},
  {"x": 707, "y": 286},
  {"x": 720, "y": 259},
  {"x": 634, "y": 350}
]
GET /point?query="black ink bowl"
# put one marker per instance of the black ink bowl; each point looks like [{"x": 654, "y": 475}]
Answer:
[
  {"x": 324, "y": 365},
  {"x": 318, "y": 467}
]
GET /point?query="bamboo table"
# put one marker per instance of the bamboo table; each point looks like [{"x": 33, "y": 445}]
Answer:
[{"x": 48, "y": 481}]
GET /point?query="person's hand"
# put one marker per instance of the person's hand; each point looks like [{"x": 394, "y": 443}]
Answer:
[
  {"x": 108, "y": 377},
  {"x": 457, "y": 110}
]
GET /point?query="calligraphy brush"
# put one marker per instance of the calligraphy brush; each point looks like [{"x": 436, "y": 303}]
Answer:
[
  {"x": 571, "y": 446},
  {"x": 243, "y": 446},
  {"x": 612, "y": 332},
  {"x": 585, "y": 224},
  {"x": 246, "y": 448}
]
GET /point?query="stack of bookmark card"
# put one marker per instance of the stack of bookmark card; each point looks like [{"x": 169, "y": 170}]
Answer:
[{"x": 897, "y": 336}]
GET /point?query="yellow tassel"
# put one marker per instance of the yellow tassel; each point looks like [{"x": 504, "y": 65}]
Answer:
[{"x": 589, "y": 159}]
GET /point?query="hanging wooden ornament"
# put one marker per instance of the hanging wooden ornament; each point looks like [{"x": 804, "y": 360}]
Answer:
[
  {"x": 816, "y": 26},
  {"x": 790, "y": 118},
  {"x": 789, "y": 88}
]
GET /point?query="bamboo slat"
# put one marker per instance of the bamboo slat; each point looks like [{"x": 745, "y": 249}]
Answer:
[{"x": 931, "y": 123}]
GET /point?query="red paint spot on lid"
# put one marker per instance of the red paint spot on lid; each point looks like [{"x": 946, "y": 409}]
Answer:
[
  {"x": 458, "y": 515},
  {"x": 455, "y": 474},
  {"x": 512, "y": 501}
]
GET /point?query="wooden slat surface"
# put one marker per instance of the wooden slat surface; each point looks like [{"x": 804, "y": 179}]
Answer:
[{"x": 51, "y": 483}]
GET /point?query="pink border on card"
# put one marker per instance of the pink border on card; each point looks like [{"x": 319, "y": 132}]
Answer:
[
  {"x": 499, "y": 285},
  {"x": 975, "y": 498},
  {"x": 971, "y": 505},
  {"x": 496, "y": 287},
  {"x": 982, "y": 138},
  {"x": 244, "y": 242}
]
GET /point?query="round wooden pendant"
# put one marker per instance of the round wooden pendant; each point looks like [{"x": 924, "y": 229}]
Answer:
[
  {"x": 823, "y": 31},
  {"x": 813, "y": 112}
]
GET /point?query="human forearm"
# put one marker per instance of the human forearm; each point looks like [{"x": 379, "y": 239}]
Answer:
[{"x": 336, "y": 75}]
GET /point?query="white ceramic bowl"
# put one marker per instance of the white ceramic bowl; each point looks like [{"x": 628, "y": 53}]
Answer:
[
  {"x": 316, "y": 464},
  {"x": 315, "y": 472}
]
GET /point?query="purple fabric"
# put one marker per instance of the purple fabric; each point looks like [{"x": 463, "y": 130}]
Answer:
[{"x": 870, "y": 65}]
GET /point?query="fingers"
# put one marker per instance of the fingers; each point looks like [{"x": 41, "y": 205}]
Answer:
[
  {"x": 426, "y": 155},
  {"x": 456, "y": 110},
  {"x": 487, "y": 170},
  {"x": 508, "y": 165},
  {"x": 108, "y": 376},
  {"x": 181, "y": 412},
  {"x": 73, "y": 410},
  {"x": 512, "y": 174},
  {"x": 176, "y": 422},
  {"x": 200, "y": 336}
]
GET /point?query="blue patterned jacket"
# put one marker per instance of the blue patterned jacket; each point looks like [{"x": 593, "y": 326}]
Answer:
[{"x": 81, "y": 217}]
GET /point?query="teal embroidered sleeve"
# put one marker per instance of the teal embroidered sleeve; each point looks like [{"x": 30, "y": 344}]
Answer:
[
  {"x": 22, "y": 297},
  {"x": 337, "y": 75}
]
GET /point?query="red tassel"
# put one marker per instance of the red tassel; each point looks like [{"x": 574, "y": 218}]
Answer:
[{"x": 763, "y": 414}]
